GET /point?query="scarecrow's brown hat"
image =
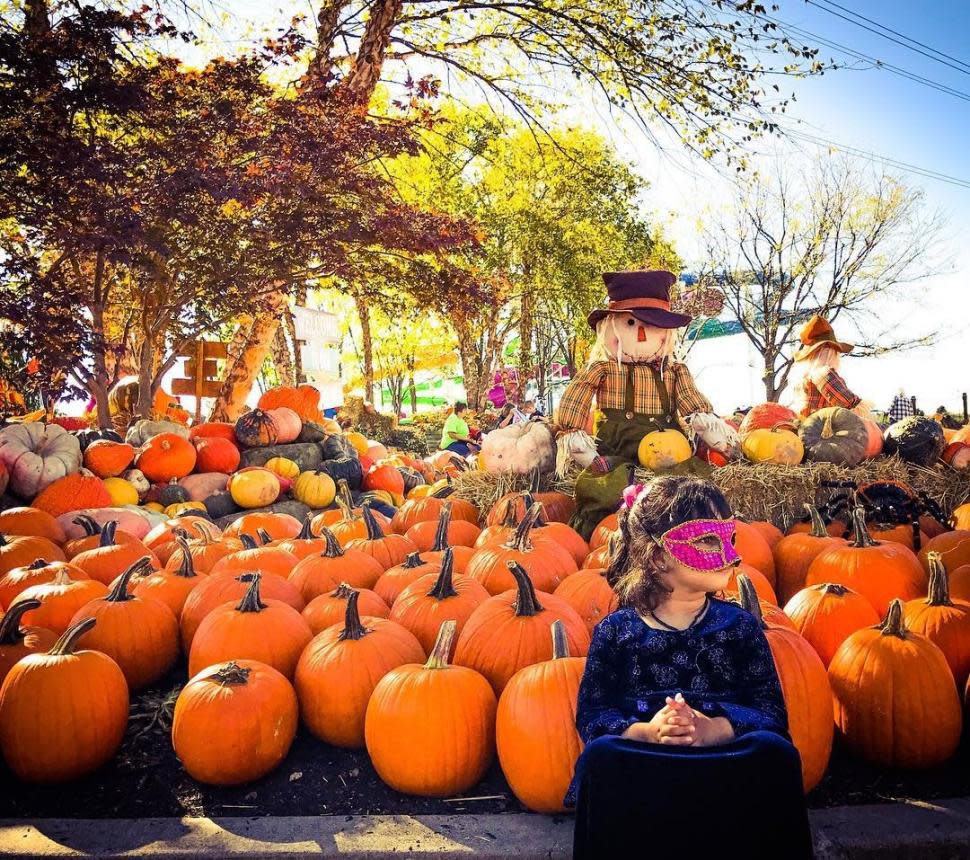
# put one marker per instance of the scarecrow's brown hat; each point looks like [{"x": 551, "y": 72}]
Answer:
[{"x": 815, "y": 334}]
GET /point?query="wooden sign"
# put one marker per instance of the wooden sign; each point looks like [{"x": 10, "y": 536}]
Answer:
[{"x": 201, "y": 378}]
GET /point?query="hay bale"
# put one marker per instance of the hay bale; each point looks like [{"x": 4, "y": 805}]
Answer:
[{"x": 483, "y": 489}]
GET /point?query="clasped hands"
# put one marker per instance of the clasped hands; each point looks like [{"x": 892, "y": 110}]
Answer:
[{"x": 678, "y": 724}]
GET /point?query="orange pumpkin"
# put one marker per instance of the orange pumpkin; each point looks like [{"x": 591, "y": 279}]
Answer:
[
  {"x": 384, "y": 478},
  {"x": 805, "y": 686},
  {"x": 213, "y": 430},
  {"x": 953, "y": 547},
  {"x": 945, "y": 622},
  {"x": 758, "y": 580},
  {"x": 331, "y": 608},
  {"x": 264, "y": 559},
  {"x": 426, "y": 534},
  {"x": 305, "y": 543},
  {"x": 827, "y": 614},
  {"x": 62, "y": 714},
  {"x": 304, "y": 400},
  {"x": 278, "y": 526},
  {"x": 203, "y": 551},
  {"x": 387, "y": 549},
  {"x": 59, "y": 600},
  {"x": 215, "y": 454},
  {"x": 270, "y": 632},
  {"x": 754, "y": 549},
  {"x": 73, "y": 493},
  {"x": 447, "y": 712},
  {"x": 166, "y": 456},
  {"x": 878, "y": 571},
  {"x": 436, "y": 597},
  {"x": 590, "y": 595},
  {"x": 15, "y": 581},
  {"x": 794, "y": 554},
  {"x": 890, "y": 685},
  {"x": 428, "y": 509},
  {"x": 17, "y": 642},
  {"x": 140, "y": 634},
  {"x": 769, "y": 531},
  {"x": 603, "y": 555},
  {"x": 33, "y": 522},
  {"x": 602, "y": 532},
  {"x": 511, "y": 631},
  {"x": 546, "y": 563},
  {"x": 92, "y": 536},
  {"x": 340, "y": 668},
  {"x": 535, "y": 729},
  {"x": 322, "y": 572},
  {"x": 108, "y": 459},
  {"x": 960, "y": 583},
  {"x": 171, "y": 586},
  {"x": 395, "y": 579},
  {"x": 558, "y": 507},
  {"x": 107, "y": 561},
  {"x": 559, "y": 533},
  {"x": 161, "y": 540},
  {"x": 22, "y": 551}
]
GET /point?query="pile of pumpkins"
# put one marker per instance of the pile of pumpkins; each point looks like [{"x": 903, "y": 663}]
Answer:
[
  {"x": 772, "y": 433},
  {"x": 440, "y": 629}
]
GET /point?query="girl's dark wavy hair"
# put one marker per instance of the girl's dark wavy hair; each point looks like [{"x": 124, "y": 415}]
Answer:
[{"x": 636, "y": 568}]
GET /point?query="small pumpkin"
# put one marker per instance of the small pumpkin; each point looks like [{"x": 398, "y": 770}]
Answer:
[
  {"x": 215, "y": 454},
  {"x": 256, "y": 711},
  {"x": 834, "y": 435},
  {"x": 328, "y": 609},
  {"x": 827, "y": 614},
  {"x": 339, "y": 669},
  {"x": 917, "y": 439},
  {"x": 283, "y": 467},
  {"x": 288, "y": 424},
  {"x": 535, "y": 728},
  {"x": 165, "y": 457},
  {"x": 73, "y": 493},
  {"x": 270, "y": 631},
  {"x": 108, "y": 459},
  {"x": 17, "y": 642},
  {"x": 137, "y": 479},
  {"x": 348, "y": 469},
  {"x": 171, "y": 493},
  {"x": 139, "y": 633},
  {"x": 315, "y": 489},
  {"x": 121, "y": 492},
  {"x": 213, "y": 429},
  {"x": 45, "y": 695},
  {"x": 319, "y": 573},
  {"x": 256, "y": 429},
  {"x": 889, "y": 686},
  {"x": 663, "y": 449},
  {"x": 766, "y": 416},
  {"x": 447, "y": 712},
  {"x": 384, "y": 478},
  {"x": 773, "y": 445},
  {"x": 89, "y": 436},
  {"x": 254, "y": 488}
]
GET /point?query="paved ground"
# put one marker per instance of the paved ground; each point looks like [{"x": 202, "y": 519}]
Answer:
[{"x": 910, "y": 831}]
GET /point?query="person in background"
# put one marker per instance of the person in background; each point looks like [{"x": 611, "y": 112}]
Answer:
[
  {"x": 455, "y": 435},
  {"x": 680, "y": 702},
  {"x": 505, "y": 417},
  {"x": 902, "y": 407}
]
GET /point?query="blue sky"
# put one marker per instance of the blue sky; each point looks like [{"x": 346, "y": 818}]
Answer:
[{"x": 870, "y": 110}]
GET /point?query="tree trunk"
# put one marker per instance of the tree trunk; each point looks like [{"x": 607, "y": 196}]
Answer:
[
  {"x": 526, "y": 324},
  {"x": 242, "y": 373},
  {"x": 298, "y": 376},
  {"x": 146, "y": 368},
  {"x": 328, "y": 19},
  {"x": 282, "y": 359},
  {"x": 366, "y": 71},
  {"x": 468, "y": 352},
  {"x": 413, "y": 389},
  {"x": 367, "y": 346}
]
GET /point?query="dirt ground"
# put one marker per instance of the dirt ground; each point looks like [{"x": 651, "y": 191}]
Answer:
[{"x": 146, "y": 780}]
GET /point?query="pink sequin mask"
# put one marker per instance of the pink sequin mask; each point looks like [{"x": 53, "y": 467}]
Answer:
[{"x": 692, "y": 544}]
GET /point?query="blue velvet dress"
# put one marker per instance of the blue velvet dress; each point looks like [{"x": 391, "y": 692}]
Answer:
[{"x": 624, "y": 789}]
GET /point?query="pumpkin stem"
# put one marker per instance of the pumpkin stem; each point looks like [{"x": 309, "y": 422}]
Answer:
[
  {"x": 441, "y": 533},
  {"x": 438, "y": 658},
  {"x": 444, "y": 586},
  {"x": 344, "y": 500},
  {"x": 264, "y": 536},
  {"x": 374, "y": 530},
  {"x": 520, "y": 539},
  {"x": 186, "y": 565},
  {"x": 38, "y": 563},
  {"x": 305, "y": 533},
  {"x": 67, "y": 642},
  {"x": 749, "y": 599},
  {"x": 509, "y": 518},
  {"x": 230, "y": 673},
  {"x": 251, "y": 601},
  {"x": 248, "y": 541},
  {"x": 108, "y": 533},
  {"x": 895, "y": 623},
  {"x": 827, "y": 432},
  {"x": 818, "y": 529},
  {"x": 860, "y": 532},
  {"x": 119, "y": 593},
  {"x": 560, "y": 644},
  {"x": 939, "y": 589},
  {"x": 89, "y": 524},
  {"x": 835, "y": 588},
  {"x": 342, "y": 591},
  {"x": 10, "y": 632},
  {"x": 333, "y": 549},
  {"x": 207, "y": 535},
  {"x": 529, "y": 500},
  {"x": 353, "y": 629},
  {"x": 413, "y": 560},
  {"x": 526, "y": 602}
]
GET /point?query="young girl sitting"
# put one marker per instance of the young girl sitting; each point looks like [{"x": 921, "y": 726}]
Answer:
[{"x": 680, "y": 706}]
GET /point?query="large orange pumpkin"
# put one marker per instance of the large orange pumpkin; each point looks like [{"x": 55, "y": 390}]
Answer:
[
  {"x": 305, "y": 543},
  {"x": 546, "y": 563},
  {"x": 960, "y": 583},
  {"x": 535, "y": 730},
  {"x": 794, "y": 553},
  {"x": 805, "y": 686},
  {"x": 278, "y": 526},
  {"x": 557, "y": 507},
  {"x": 453, "y": 532},
  {"x": 304, "y": 400},
  {"x": 13, "y": 582},
  {"x": 588, "y": 592},
  {"x": 59, "y": 600},
  {"x": 945, "y": 622},
  {"x": 321, "y": 572},
  {"x": 109, "y": 559},
  {"x": 435, "y": 597},
  {"x": 447, "y": 712},
  {"x": 766, "y": 416},
  {"x": 827, "y": 614},
  {"x": 108, "y": 459},
  {"x": 895, "y": 701},
  {"x": 754, "y": 549},
  {"x": 265, "y": 559},
  {"x": 173, "y": 585},
  {"x": 92, "y": 536},
  {"x": 953, "y": 547},
  {"x": 428, "y": 509},
  {"x": 340, "y": 668},
  {"x": 62, "y": 714},
  {"x": 166, "y": 456},
  {"x": 511, "y": 631},
  {"x": 331, "y": 608},
  {"x": 17, "y": 642},
  {"x": 387, "y": 549},
  {"x": 20, "y": 551},
  {"x": 878, "y": 571},
  {"x": 73, "y": 493},
  {"x": 395, "y": 579},
  {"x": 271, "y": 632},
  {"x": 204, "y": 551},
  {"x": 31, "y": 521},
  {"x": 140, "y": 634},
  {"x": 254, "y": 710},
  {"x": 214, "y": 454}
]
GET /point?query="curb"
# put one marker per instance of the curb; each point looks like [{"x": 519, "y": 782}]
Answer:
[{"x": 903, "y": 831}]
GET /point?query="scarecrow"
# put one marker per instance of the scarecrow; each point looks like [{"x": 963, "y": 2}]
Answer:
[
  {"x": 820, "y": 385},
  {"x": 636, "y": 386}
]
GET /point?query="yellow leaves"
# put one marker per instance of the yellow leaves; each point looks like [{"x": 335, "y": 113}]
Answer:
[{"x": 231, "y": 208}]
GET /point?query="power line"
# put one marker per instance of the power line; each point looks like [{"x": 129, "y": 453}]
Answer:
[
  {"x": 901, "y": 35},
  {"x": 876, "y": 62},
  {"x": 962, "y": 67}
]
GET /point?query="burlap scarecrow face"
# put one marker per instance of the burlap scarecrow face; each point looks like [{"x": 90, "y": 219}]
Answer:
[{"x": 624, "y": 338}]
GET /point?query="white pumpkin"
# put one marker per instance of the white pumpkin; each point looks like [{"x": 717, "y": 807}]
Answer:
[
  {"x": 201, "y": 485},
  {"x": 138, "y": 522},
  {"x": 137, "y": 479},
  {"x": 141, "y": 431},
  {"x": 36, "y": 455}
]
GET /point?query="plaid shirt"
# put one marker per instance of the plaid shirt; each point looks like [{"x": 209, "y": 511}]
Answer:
[
  {"x": 902, "y": 408},
  {"x": 828, "y": 390},
  {"x": 607, "y": 382}
]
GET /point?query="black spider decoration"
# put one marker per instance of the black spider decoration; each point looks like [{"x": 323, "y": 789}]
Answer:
[{"x": 887, "y": 504}]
